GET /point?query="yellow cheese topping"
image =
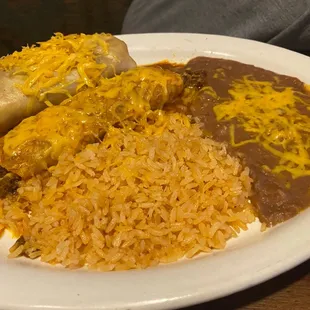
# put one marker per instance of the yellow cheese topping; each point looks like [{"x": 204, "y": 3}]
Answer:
[
  {"x": 125, "y": 97},
  {"x": 61, "y": 126},
  {"x": 53, "y": 66},
  {"x": 142, "y": 86},
  {"x": 153, "y": 84},
  {"x": 273, "y": 119}
]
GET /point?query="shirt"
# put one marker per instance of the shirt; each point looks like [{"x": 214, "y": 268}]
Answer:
[{"x": 284, "y": 23}]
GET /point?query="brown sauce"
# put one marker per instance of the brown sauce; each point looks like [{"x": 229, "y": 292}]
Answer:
[{"x": 276, "y": 196}]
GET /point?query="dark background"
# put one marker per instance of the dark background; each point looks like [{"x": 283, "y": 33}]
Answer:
[
  {"x": 29, "y": 21},
  {"x": 25, "y": 22}
]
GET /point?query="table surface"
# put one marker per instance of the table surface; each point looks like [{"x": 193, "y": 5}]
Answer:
[{"x": 289, "y": 291}]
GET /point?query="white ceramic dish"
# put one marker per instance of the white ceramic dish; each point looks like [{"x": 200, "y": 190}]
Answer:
[{"x": 252, "y": 258}]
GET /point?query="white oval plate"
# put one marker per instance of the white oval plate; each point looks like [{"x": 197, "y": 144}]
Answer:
[{"x": 248, "y": 260}]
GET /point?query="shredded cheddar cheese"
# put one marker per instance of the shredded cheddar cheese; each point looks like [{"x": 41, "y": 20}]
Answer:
[
  {"x": 122, "y": 99},
  {"x": 153, "y": 86},
  {"x": 219, "y": 74},
  {"x": 60, "y": 126},
  {"x": 52, "y": 67},
  {"x": 273, "y": 118}
]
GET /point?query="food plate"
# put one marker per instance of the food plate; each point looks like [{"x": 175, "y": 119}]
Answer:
[{"x": 248, "y": 260}]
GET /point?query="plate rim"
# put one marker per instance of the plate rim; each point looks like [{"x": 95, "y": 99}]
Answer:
[{"x": 183, "y": 299}]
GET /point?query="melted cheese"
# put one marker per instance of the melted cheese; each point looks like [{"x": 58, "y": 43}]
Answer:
[
  {"x": 151, "y": 83},
  {"x": 60, "y": 126},
  {"x": 52, "y": 66},
  {"x": 273, "y": 120},
  {"x": 122, "y": 99},
  {"x": 139, "y": 89},
  {"x": 219, "y": 74}
]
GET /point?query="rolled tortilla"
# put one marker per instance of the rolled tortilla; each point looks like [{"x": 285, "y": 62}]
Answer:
[
  {"x": 47, "y": 74},
  {"x": 38, "y": 141}
]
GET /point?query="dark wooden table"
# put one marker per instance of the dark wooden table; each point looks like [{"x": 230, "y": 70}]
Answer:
[{"x": 289, "y": 291}]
